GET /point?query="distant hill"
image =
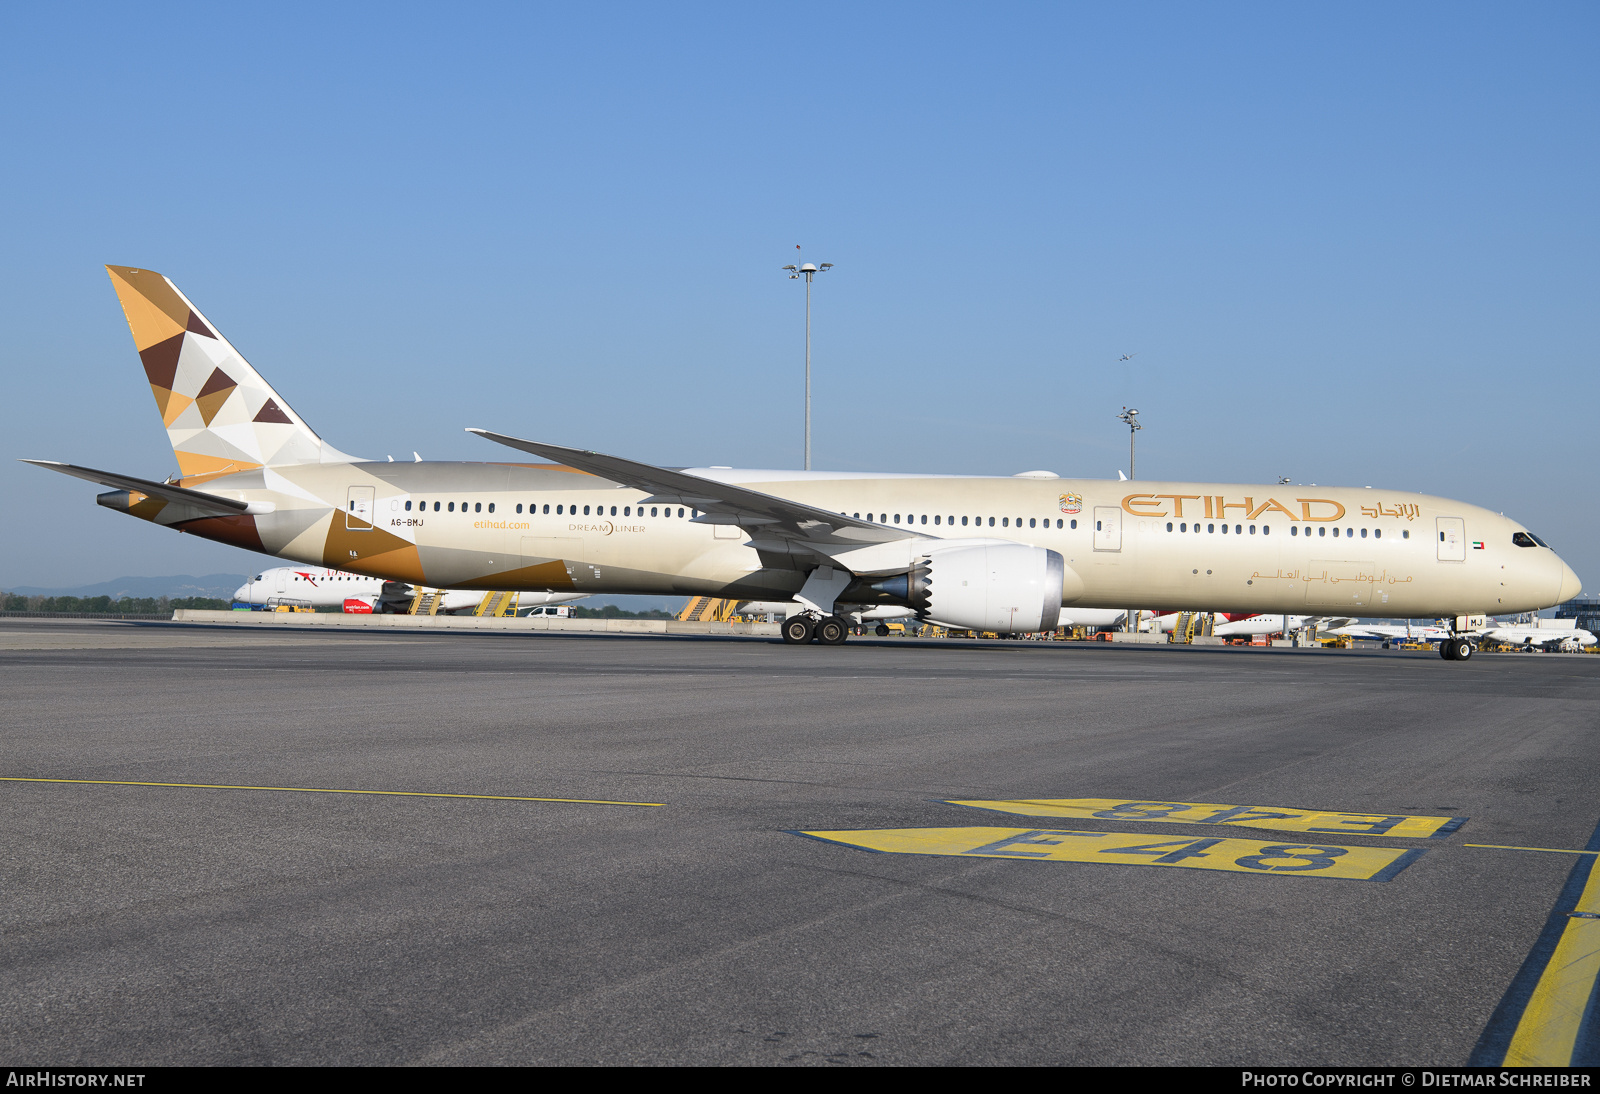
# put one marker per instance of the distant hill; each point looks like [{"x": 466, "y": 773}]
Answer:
[{"x": 220, "y": 586}]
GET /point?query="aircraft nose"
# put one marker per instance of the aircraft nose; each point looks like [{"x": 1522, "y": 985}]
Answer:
[
  {"x": 1570, "y": 585},
  {"x": 241, "y": 592}
]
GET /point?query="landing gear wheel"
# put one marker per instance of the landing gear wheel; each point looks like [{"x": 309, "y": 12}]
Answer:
[
  {"x": 831, "y": 631},
  {"x": 798, "y": 630},
  {"x": 881, "y": 630},
  {"x": 1447, "y": 650},
  {"x": 1463, "y": 649}
]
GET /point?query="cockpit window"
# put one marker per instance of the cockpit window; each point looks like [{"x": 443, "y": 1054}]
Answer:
[
  {"x": 1540, "y": 542},
  {"x": 1523, "y": 539}
]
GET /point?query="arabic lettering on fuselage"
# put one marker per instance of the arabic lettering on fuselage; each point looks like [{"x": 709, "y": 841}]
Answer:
[
  {"x": 1384, "y": 578},
  {"x": 1409, "y": 510}
]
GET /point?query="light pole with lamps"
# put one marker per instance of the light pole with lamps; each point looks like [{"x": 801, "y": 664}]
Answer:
[
  {"x": 808, "y": 270},
  {"x": 1131, "y": 417}
]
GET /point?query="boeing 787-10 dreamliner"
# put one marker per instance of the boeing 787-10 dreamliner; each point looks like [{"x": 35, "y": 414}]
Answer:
[{"x": 976, "y": 552}]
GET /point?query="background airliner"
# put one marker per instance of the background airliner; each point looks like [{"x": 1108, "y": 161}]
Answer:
[
  {"x": 980, "y": 553},
  {"x": 319, "y": 587}
]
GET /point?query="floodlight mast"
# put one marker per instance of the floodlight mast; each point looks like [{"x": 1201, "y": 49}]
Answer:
[
  {"x": 1131, "y": 417},
  {"x": 808, "y": 270}
]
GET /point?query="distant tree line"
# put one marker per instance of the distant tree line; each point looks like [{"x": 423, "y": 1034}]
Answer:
[
  {"x": 611, "y": 611},
  {"x": 128, "y": 605}
]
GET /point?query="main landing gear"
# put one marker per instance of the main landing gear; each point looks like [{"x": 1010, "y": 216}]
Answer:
[
  {"x": 1455, "y": 649},
  {"x": 829, "y": 630}
]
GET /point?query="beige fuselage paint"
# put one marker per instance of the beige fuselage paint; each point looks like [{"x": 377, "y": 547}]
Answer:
[{"x": 1383, "y": 561}]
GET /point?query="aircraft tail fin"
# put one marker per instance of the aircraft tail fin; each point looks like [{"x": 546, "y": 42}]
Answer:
[{"x": 221, "y": 416}]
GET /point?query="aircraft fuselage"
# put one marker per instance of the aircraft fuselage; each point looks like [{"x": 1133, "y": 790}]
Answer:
[{"x": 1203, "y": 546}]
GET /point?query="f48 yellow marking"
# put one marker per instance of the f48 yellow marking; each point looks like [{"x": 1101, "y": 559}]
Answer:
[
  {"x": 1245, "y": 816},
  {"x": 1124, "y": 849}
]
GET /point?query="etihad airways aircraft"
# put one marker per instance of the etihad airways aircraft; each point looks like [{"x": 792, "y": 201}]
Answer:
[{"x": 994, "y": 554}]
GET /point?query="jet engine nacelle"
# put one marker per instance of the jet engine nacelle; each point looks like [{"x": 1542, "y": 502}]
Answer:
[{"x": 1008, "y": 588}]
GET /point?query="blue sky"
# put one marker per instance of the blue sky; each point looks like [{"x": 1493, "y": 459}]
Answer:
[{"x": 1349, "y": 243}]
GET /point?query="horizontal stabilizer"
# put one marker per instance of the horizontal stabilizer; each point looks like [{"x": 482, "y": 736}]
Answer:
[{"x": 162, "y": 490}]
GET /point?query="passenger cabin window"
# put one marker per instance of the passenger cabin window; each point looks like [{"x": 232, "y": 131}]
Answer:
[
  {"x": 519, "y": 507},
  {"x": 452, "y": 507},
  {"x": 408, "y": 507},
  {"x": 547, "y": 509},
  {"x": 1074, "y": 522}
]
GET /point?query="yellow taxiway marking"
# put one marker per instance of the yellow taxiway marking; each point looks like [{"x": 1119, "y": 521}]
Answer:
[
  {"x": 1551, "y": 850},
  {"x": 1245, "y": 816},
  {"x": 1547, "y": 1033},
  {"x": 1125, "y": 849},
  {"x": 329, "y": 790}
]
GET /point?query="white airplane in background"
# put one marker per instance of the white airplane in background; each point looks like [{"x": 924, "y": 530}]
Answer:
[
  {"x": 311, "y": 587},
  {"x": 1548, "y": 634},
  {"x": 1391, "y": 632},
  {"x": 1238, "y": 625}
]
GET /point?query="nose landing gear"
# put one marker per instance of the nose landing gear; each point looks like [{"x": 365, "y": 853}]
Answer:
[{"x": 1455, "y": 649}]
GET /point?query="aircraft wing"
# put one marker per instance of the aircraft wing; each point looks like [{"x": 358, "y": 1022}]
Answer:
[
  {"x": 164, "y": 491},
  {"x": 720, "y": 503}
]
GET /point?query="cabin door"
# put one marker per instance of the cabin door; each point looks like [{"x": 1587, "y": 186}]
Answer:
[
  {"x": 1452, "y": 539},
  {"x": 358, "y": 508},
  {"x": 1107, "y": 528}
]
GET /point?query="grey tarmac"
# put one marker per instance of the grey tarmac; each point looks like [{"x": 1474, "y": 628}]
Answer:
[{"x": 156, "y": 925}]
